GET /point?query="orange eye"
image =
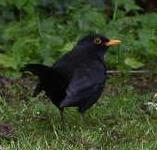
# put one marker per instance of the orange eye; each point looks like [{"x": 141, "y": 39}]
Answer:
[{"x": 97, "y": 41}]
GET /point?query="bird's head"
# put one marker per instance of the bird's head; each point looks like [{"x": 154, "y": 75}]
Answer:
[{"x": 97, "y": 41}]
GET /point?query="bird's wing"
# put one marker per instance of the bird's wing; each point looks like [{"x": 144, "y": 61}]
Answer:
[{"x": 86, "y": 81}]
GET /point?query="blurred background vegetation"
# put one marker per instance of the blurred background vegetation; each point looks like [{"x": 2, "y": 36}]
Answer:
[{"x": 40, "y": 31}]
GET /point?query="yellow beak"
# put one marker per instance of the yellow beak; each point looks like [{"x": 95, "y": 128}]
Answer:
[{"x": 113, "y": 42}]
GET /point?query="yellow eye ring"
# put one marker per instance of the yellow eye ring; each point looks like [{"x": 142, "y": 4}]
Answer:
[{"x": 97, "y": 41}]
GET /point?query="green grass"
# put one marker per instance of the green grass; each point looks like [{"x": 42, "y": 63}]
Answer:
[{"x": 120, "y": 120}]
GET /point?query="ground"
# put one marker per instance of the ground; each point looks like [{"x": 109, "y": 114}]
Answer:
[{"x": 124, "y": 118}]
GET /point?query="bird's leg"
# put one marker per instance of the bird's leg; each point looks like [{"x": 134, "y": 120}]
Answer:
[{"x": 62, "y": 116}]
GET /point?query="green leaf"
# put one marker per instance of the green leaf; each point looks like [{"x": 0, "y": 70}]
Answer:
[
  {"x": 133, "y": 63},
  {"x": 7, "y": 62},
  {"x": 68, "y": 46},
  {"x": 3, "y": 3},
  {"x": 19, "y": 3}
]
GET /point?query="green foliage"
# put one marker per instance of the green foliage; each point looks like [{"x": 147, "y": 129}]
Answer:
[
  {"x": 40, "y": 31},
  {"x": 132, "y": 62},
  {"x": 127, "y": 5}
]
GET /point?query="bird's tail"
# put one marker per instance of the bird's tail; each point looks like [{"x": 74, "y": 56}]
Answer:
[{"x": 36, "y": 69}]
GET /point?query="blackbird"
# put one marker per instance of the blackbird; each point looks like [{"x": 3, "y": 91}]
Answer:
[{"x": 77, "y": 79}]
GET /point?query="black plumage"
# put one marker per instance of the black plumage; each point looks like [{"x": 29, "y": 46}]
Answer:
[{"x": 77, "y": 78}]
